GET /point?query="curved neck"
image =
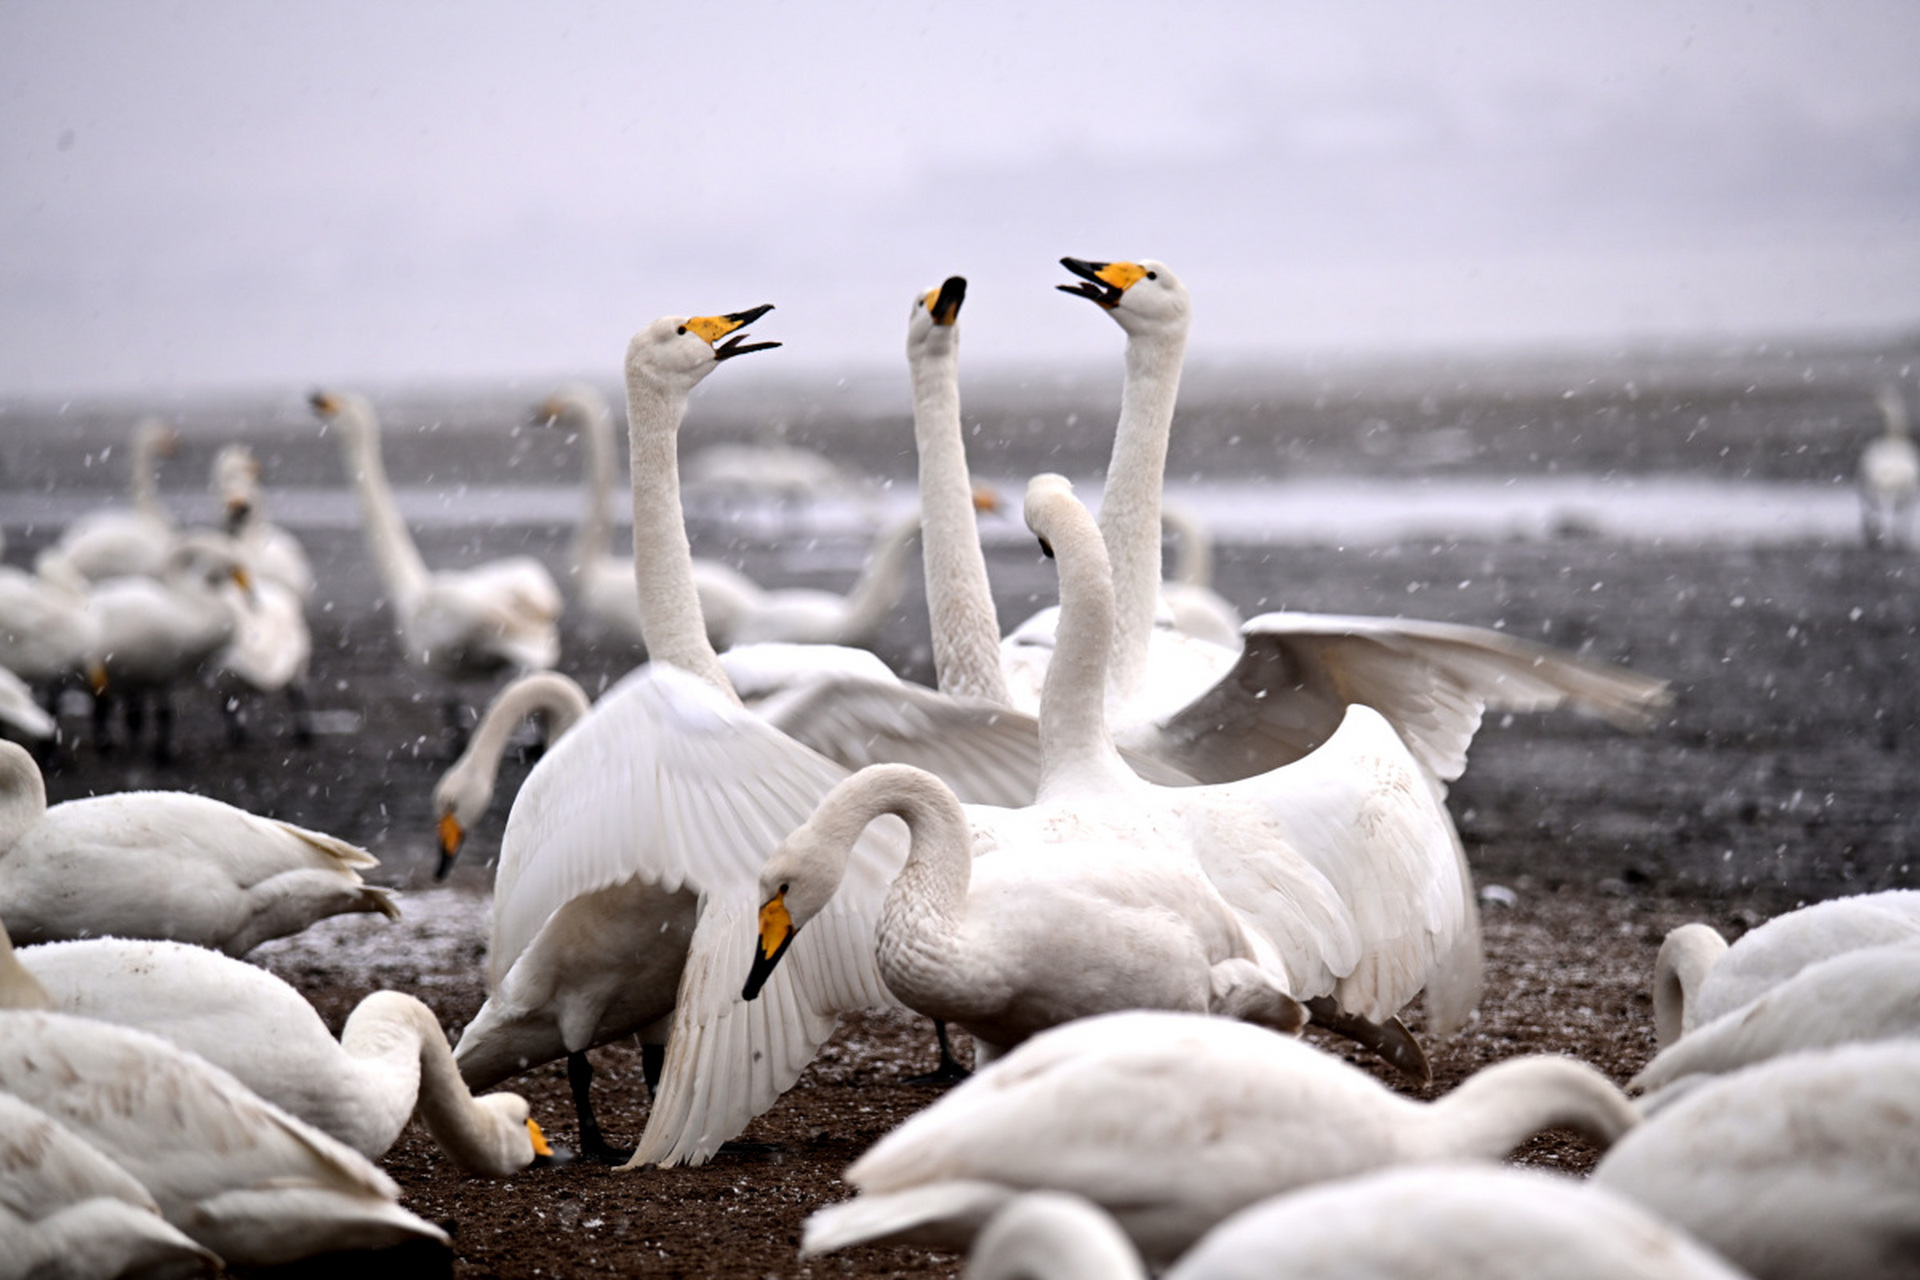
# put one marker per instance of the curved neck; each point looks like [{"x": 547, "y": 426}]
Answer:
[
  {"x": 1076, "y": 750},
  {"x": 23, "y": 794},
  {"x": 883, "y": 578},
  {"x": 404, "y": 1057},
  {"x": 1047, "y": 1235},
  {"x": 595, "y": 539},
  {"x": 1192, "y": 547},
  {"x": 557, "y": 697},
  {"x": 142, "y": 486},
  {"x": 1503, "y": 1105},
  {"x": 18, "y": 988},
  {"x": 671, "y": 622},
  {"x": 1130, "y": 504},
  {"x": 1686, "y": 954},
  {"x": 402, "y": 572},
  {"x": 966, "y": 629}
]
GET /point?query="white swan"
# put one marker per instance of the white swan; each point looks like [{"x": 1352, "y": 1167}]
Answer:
[
  {"x": 1801, "y": 1168},
  {"x": 272, "y": 554},
  {"x": 1889, "y": 476},
  {"x": 239, "y": 1175},
  {"x": 48, "y": 633},
  {"x": 1221, "y": 713},
  {"x": 1195, "y": 607},
  {"x": 1868, "y": 994},
  {"x": 1697, "y": 978},
  {"x": 1341, "y": 864},
  {"x": 1172, "y": 1121},
  {"x": 20, "y": 712},
  {"x": 165, "y": 864},
  {"x": 465, "y": 790},
  {"x": 451, "y": 622},
  {"x": 69, "y": 1213},
  {"x": 119, "y": 541},
  {"x": 390, "y": 1061},
  {"x": 1428, "y": 1222}
]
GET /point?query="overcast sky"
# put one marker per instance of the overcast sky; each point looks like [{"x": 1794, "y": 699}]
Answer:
[{"x": 198, "y": 195}]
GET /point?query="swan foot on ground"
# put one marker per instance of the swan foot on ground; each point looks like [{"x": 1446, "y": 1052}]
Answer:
[
  {"x": 1390, "y": 1039},
  {"x": 593, "y": 1144},
  {"x": 950, "y": 1071}
]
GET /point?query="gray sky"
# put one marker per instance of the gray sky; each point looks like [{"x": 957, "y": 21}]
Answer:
[{"x": 210, "y": 194}]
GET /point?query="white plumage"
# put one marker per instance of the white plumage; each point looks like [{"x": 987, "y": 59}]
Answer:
[{"x": 119, "y": 541}]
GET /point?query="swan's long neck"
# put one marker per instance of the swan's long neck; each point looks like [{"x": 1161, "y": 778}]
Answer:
[
  {"x": 402, "y": 572},
  {"x": 1076, "y": 750},
  {"x": 595, "y": 539},
  {"x": 18, "y": 988},
  {"x": 966, "y": 629},
  {"x": 1500, "y": 1107},
  {"x": 671, "y": 622},
  {"x": 1056, "y": 1236},
  {"x": 1192, "y": 547},
  {"x": 23, "y": 795},
  {"x": 883, "y": 578},
  {"x": 919, "y": 943},
  {"x": 1130, "y": 504},
  {"x": 558, "y": 697},
  {"x": 1686, "y": 954},
  {"x": 403, "y": 1058},
  {"x": 142, "y": 486}
]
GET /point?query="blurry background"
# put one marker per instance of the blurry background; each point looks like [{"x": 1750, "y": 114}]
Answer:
[{"x": 209, "y": 195}]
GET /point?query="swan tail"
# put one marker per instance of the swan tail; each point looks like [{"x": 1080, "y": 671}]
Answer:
[
  {"x": 269, "y": 1225},
  {"x": 939, "y": 1215},
  {"x": 336, "y": 850}
]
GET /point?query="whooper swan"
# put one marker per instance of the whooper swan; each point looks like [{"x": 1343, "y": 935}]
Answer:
[
  {"x": 452, "y": 623},
  {"x": 239, "y": 1175},
  {"x": 272, "y": 553},
  {"x": 465, "y": 790},
  {"x": 1889, "y": 476},
  {"x": 1425, "y": 1222},
  {"x": 165, "y": 864},
  {"x": 1801, "y": 1168},
  {"x": 1172, "y": 1121},
  {"x": 390, "y": 1062},
  {"x": 117, "y": 542}
]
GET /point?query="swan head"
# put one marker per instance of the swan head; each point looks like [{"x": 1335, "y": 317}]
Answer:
[
  {"x": 1143, "y": 297},
  {"x": 236, "y": 479},
  {"x": 348, "y": 410},
  {"x": 571, "y": 405},
  {"x": 676, "y": 352},
  {"x": 1047, "y": 497},
  {"x": 933, "y": 326},
  {"x": 794, "y": 888},
  {"x": 156, "y": 437}
]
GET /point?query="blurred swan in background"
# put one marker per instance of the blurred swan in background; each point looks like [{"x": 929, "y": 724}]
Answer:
[
  {"x": 119, "y": 541},
  {"x": 1195, "y": 607},
  {"x": 1698, "y": 978},
  {"x": 390, "y": 1061},
  {"x": 1889, "y": 476},
  {"x": 1428, "y": 1222},
  {"x": 1172, "y": 1121},
  {"x": 237, "y": 1174},
  {"x": 452, "y": 623},
  {"x": 165, "y": 864},
  {"x": 1801, "y": 1168},
  {"x": 272, "y": 553}
]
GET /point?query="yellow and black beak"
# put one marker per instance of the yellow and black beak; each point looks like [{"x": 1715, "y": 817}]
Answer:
[
  {"x": 777, "y": 932},
  {"x": 1102, "y": 282},
  {"x": 452, "y": 834},
  {"x": 324, "y": 403},
  {"x": 943, "y": 304},
  {"x": 97, "y": 676},
  {"x": 986, "y": 499},
  {"x": 714, "y": 328}
]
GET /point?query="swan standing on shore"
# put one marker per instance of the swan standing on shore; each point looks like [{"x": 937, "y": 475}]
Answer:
[
  {"x": 1428, "y": 1222},
  {"x": 1698, "y": 979},
  {"x": 117, "y": 542},
  {"x": 452, "y": 623},
  {"x": 165, "y": 864},
  {"x": 239, "y": 1175},
  {"x": 272, "y": 554},
  {"x": 1172, "y": 1121},
  {"x": 1802, "y": 1168},
  {"x": 390, "y": 1061}
]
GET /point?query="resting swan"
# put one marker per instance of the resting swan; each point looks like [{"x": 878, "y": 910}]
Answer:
[
  {"x": 390, "y": 1061},
  {"x": 637, "y": 837},
  {"x": 1219, "y": 713},
  {"x": 1340, "y": 866},
  {"x": 165, "y": 864},
  {"x": 118, "y": 541},
  {"x": 239, "y": 1175},
  {"x": 1698, "y": 979},
  {"x": 1801, "y": 1168},
  {"x": 1427, "y": 1222},
  {"x": 68, "y": 1211},
  {"x": 1872, "y": 993},
  {"x": 454, "y": 622},
  {"x": 1172, "y": 1121}
]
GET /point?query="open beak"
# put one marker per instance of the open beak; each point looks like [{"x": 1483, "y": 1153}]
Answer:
[
  {"x": 714, "y": 328},
  {"x": 1102, "y": 282},
  {"x": 943, "y": 304},
  {"x": 777, "y": 931},
  {"x": 452, "y": 834}
]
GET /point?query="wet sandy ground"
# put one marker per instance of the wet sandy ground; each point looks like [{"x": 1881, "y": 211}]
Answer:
[{"x": 1783, "y": 775}]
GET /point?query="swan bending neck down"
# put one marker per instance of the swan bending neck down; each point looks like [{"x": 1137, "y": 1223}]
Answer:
[
  {"x": 391, "y": 1059},
  {"x": 1218, "y": 1115},
  {"x": 465, "y": 790}
]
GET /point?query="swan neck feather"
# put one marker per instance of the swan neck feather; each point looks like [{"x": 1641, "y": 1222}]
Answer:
[
  {"x": 1130, "y": 503},
  {"x": 1500, "y": 1107}
]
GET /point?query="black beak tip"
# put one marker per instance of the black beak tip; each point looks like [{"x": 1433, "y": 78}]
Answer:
[{"x": 445, "y": 868}]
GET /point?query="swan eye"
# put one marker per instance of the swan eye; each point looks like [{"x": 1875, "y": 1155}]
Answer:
[
  {"x": 681, "y": 330},
  {"x": 1153, "y": 275},
  {"x": 783, "y": 888}
]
